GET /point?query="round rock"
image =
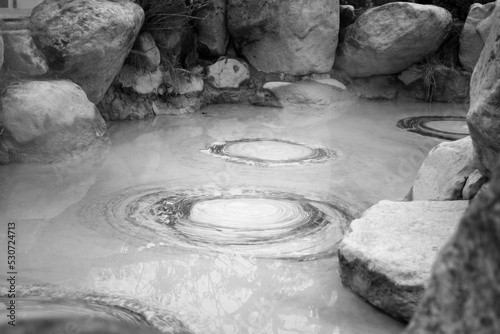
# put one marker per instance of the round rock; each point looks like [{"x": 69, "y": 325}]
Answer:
[
  {"x": 390, "y": 38},
  {"x": 86, "y": 41}
]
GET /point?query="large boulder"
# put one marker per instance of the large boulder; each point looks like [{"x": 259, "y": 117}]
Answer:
[
  {"x": 86, "y": 41},
  {"x": 211, "y": 31},
  {"x": 387, "y": 257},
  {"x": 390, "y": 38},
  {"x": 444, "y": 171},
  {"x": 463, "y": 294},
  {"x": 22, "y": 55},
  {"x": 46, "y": 121},
  {"x": 483, "y": 117},
  {"x": 289, "y": 36},
  {"x": 474, "y": 34}
]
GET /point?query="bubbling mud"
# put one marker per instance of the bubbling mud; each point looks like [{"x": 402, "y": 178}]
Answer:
[
  {"x": 443, "y": 127},
  {"x": 268, "y": 152},
  {"x": 249, "y": 222}
]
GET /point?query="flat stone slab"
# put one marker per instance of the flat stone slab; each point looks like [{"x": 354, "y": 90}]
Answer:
[{"x": 388, "y": 255}]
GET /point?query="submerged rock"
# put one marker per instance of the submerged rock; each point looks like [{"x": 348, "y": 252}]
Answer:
[
  {"x": 463, "y": 294},
  {"x": 483, "y": 117},
  {"x": 46, "y": 121},
  {"x": 387, "y": 257},
  {"x": 475, "y": 33},
  {"x": 309, "y": 94},
  {"x": 390, "y": 38},
  {"x": 444, "y": 171},
  {"x": 290, "y": 36},
  {"x": 86, "y": 41}
]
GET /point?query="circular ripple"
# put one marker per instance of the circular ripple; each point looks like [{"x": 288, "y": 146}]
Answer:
[
  {"x": 444, "y": 127},
  {"x": 265, "y": 224},
  {"x": 47, "y": 309},
  {"x": 268, "y": 152}
]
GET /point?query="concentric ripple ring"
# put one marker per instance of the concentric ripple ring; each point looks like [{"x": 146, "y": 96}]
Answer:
[
  {"x": 268, "y": 152},
  {"x": 49, "y": 309},
  {"x": 266, "y": 224},
  {"x": 443, "y": 127}
]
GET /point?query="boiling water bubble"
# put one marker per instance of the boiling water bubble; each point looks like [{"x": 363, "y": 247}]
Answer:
[
  {"x": 268, "y": 152},
  {"x": 266, "y": 224},
  {"x": 444, "y": 127}
]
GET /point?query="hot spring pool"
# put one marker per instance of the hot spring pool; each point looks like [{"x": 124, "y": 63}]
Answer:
[{"x": 227, "y": 220}]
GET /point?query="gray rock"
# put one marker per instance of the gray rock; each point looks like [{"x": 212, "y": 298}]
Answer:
[
  {"x": 387, "y": 257},
  {"x": 444, "y": 171},
  {"x": 118, "y": 104},
  {"x": 22, "y": 55},
  {"x": 307, "y": 94},
  {"x": 347, "y": 16},
  {"x": 227, "y": 73},
  {"x": 282, "y": 36},
  {"x": 140, "y": 81},
  {"x": 145, "y": 54},
  {"x": 464, "y": 291},
  {"x": 449, "y": 84},
  {"x": 1, "y": 51},
  {"x": 388, "y": 39},
  {"x": 474, "y": 34},
  {"x": 483, "y": 117},
  {"x": 86, "y": 41},
  {"x": 46, "y": 121},
  {"x": 473, "y": 185},
  {"x": 384, "y": 87},
  {"x": 211, "y": 31}
]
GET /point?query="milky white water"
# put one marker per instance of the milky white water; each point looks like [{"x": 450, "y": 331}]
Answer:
[{"x": 227, "y": 246}]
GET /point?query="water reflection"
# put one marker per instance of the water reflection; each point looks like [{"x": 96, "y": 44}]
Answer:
[{"x": 235, "y": 294}]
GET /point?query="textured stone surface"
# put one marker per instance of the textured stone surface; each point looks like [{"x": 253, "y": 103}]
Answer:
[
  {"x": 86, "y": 41},
  {"x": 387, "y": 257},
  {"x": 307, "y": 94},
  {"x": 377, "y": 87},
  {"x": 474, "y": 34},
  {"x": 22, "y": 55},
  {"x": 1, "y": 51},
  {"x": 444, "y": 171},
  {"x": 49, "y": 121},
  {"x": 390, "y": 38},
  {"x": 483, "y": 117},
  {"x": 119, "y": 104},
  {"x": 449, "y": 85},
  {"x": 463, "y": 295},
  {"x": 140, "y": 81},
  {"x": 474, "y": 183},
  {"x": 227, "y": 73},
  {"x": 290, "y": 36},
  {"x": 211, "y": 31},
  {"x": 145, "y": 54}
]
